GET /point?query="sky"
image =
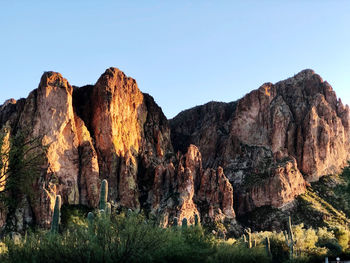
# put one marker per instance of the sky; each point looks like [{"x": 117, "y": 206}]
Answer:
[{"x": 183, "y": 53}]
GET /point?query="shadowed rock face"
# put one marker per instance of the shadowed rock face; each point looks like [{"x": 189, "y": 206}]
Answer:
[
  {"x": 272, "y": 139},
  {"x": 183, "y": 189},
  {"x": 233, "y": 157}
]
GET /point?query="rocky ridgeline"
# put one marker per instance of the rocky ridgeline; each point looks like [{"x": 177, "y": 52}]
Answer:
[
  {"x": 273, "y": 141},
  {"x": 211, "y": 161}
]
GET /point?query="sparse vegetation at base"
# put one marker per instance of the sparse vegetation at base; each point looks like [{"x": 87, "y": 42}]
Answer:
[{"x": 130, "y": 237}]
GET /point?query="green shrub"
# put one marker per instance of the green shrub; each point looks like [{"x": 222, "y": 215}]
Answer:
[
  {"x": 133, "y": 238},
  {"x": 343, "y": 236},
  {"x": 279, "y": 250},
  {"x": 239, "y": 253},
  {"x": 115, "y": 239}
]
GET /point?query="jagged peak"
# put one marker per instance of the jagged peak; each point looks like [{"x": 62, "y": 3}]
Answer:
[
  {"x": 300, "y": 77},
  {"x": 54, "y": 79},
  {"x": 306, "y": 72},
  {"x": 113, "y": 75},
  {"x": 51, "y": 75},
  {"x": 112, "y": 71},
  {"x": 7, "y": 102}
]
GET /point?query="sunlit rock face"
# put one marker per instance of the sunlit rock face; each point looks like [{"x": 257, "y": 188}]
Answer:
[
  {"x": 130, "y": 132},
  {"x": 48, "y": 112},
  {"x": 118, "y": 115},
  {"x": 111, "y": 130},
  {"x": 229, "y": 158},
  {"x": 272, "y": 140}
]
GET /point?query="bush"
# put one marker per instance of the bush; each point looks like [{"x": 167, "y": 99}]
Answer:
[
  {"x": 120, "y": 239},
  {"x": 133, "y": 238},
  {"x": 343, "y": 236},
  {"x": 3, "y": 248},
  {"x": 239, "y": 253},
  {"x": 279, "y": 250}
]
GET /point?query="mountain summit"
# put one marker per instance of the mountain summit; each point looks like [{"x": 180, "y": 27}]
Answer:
[{"x": 215, "y": 161}]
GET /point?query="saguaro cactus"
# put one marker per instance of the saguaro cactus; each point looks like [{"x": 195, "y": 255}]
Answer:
[
  {"x": 108, "y": 209},
  {"x": 184, "y": 223},
  {"x": 196, "y": 220},
  {"x": 103, "y": 194},
  {"x": 56, "y": 215},
  {"x": 289, "y": 237},
  {"x": 175, "y": 222},
  {"x": 249, "y": 234},
  {"x": 267, "y": 246},
  {"x": 90, "y": 218}
]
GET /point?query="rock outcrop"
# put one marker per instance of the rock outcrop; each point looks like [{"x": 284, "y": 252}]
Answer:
[
  {"x": 188, "y": 190},
  {"x": 214, "y": 161},
  {"x": 48, "y": 113},
  {"x": 271, "y": 141},
  {"x": 110, "y": 130}
]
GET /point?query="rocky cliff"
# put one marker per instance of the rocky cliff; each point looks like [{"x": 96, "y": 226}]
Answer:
[
  {"x": 271, "y": 142},
  {"x": 215, "y": 160},
  {"x": 110, "y": 130}
]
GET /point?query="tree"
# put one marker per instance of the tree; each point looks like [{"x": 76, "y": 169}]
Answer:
[{"x": 21, "y": 160}]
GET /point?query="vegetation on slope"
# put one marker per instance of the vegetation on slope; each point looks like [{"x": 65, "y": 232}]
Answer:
[
  {"x": 130, "y": 237},
  {"x": 326, "y": 203},
  {"x": 321, "y": 227}
]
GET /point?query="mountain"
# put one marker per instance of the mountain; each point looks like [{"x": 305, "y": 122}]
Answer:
[
  {"x": 273, "y": 141},
  {"x": 216, "y": 161}
]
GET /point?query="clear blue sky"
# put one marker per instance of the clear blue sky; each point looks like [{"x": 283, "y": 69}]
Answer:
[{"x": 184, "y": 53}]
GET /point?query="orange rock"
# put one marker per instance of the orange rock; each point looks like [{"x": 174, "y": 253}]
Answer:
[{"x": 256, "y": 149}]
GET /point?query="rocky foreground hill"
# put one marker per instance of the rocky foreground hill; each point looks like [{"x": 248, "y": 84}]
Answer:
[{"x": 218, "y": 160}]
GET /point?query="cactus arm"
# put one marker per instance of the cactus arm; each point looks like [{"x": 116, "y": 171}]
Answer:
[
  {"x": 175, "y": 222},
  {"x": 267, "y": 246},
  {"x": 286, "y": 237},
  {"x": 56, "y": 215},
  {"x": 290, "y": 230},
  {"x": 108, "y": 209},
  {"x": 249, "y": 233},
  {"x": 184, "y": 223},
  {"x": 103, "y": 194},
  {"x": 90, "y": 218},
  {"x": 196, "y": 220},
  {"x": 288, "y": 234}
]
